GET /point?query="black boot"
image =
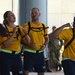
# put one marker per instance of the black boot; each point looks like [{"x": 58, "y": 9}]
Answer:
[
  {"x": 48, "y": 70},
  {"x": 58, "y": 67}
]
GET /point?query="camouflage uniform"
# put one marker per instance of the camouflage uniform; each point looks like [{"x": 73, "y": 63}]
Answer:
[{"x": 54, "y": 46}]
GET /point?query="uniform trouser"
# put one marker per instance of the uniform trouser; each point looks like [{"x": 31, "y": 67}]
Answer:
[
  {"x": 0, "y": 69},
  {"x": 69, "y": 67},
  {"x": 54, "y": 59},
  {"x": 10, "y": 62},
  {"x": 34, "y": 60}
]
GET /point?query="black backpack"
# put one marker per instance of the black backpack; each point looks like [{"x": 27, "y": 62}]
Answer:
[
  {"x": 3, "y": 30},
  {"x": 71, "y": 39},
  {"x": 36, "y": 29}
]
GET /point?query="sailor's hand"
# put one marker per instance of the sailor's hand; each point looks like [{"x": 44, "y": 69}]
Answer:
[
  {"x": 14, "y": 30},
  {"x": 25, "y": 30},
  {"x": 33, "y": 45},
  {"x": 43, "y": 47},
  {"x": 67, "y": 25}
]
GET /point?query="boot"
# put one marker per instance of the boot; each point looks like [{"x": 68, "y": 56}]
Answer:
[{"x": 58, "y": 67}]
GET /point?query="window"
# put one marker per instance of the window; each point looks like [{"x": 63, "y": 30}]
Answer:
[
  {"x": 11, "y": 5},
  {"x": 60, "y": 12}
]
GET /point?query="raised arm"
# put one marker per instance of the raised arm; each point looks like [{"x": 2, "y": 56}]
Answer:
[
  {"x": 27, "y": 38},
  {"x": 7, "y": 42},
  {"x": 58, "y": 30}
]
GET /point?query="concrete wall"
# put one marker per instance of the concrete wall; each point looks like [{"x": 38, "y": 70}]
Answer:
[{"x": 25, "y": 7}]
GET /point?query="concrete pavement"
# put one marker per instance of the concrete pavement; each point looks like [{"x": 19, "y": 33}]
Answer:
[{"x": 49, "y": 73}]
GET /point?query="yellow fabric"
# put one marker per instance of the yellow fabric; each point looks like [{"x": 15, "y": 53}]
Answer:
[
  {"x": 36, "y": 37},
  {"x": 15, "y": 44},
  {"x": 66, "y": 35}
]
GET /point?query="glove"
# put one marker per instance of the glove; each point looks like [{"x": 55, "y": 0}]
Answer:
[{"x": 3, "y": 31}]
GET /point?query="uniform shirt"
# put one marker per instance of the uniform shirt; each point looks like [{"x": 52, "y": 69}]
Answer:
[
  {"x": 66, "y": 35},
  {"x": 15, "y": 44},
  {"x": 36, "y": 37},
  {"x": 54, "y": 44}
]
